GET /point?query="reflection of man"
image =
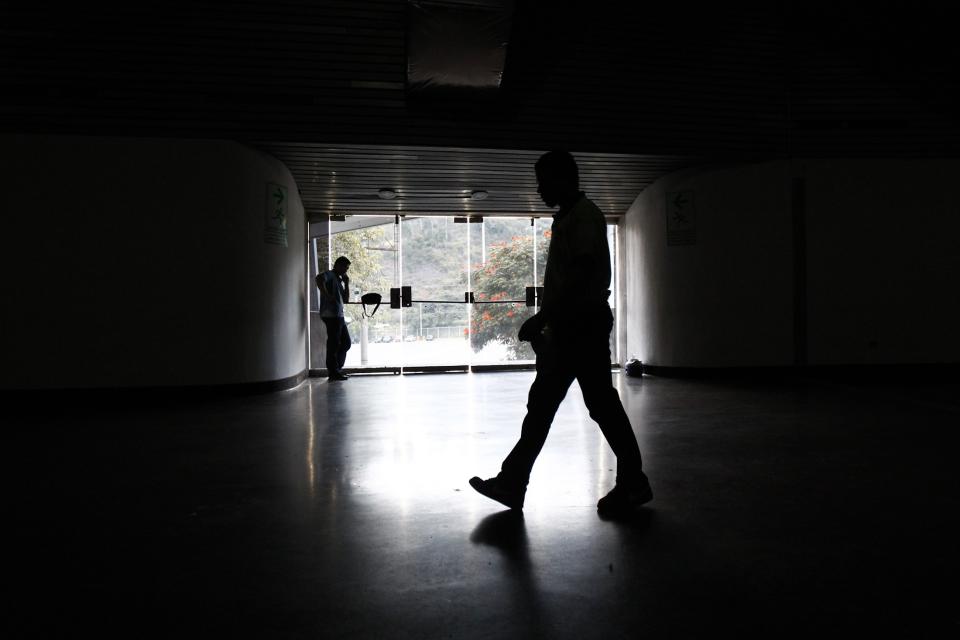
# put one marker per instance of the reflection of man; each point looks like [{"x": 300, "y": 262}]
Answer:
[
  {"x": 334, "y": 288},
  {"x": 571, "y": 337}
]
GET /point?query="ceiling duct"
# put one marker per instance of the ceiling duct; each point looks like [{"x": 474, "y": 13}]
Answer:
[{"x": 457, "y": 44}]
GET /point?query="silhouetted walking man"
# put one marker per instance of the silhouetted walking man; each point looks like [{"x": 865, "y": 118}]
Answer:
[
  {"x": 571, "y": 337},
  {"x": 334, "y": 288}
]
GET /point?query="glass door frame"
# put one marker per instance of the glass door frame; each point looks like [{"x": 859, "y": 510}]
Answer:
[{"x": 472, "y": 305}]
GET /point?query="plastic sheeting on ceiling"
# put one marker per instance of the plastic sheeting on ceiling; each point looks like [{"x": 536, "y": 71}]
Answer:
[{"x": 457, "y": 44}]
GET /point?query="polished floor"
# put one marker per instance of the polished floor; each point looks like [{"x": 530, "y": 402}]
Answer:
[{"x": 342, "y": 510}]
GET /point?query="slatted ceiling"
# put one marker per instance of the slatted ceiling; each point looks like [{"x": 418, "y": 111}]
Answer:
[{"x": 438, "y": 181}]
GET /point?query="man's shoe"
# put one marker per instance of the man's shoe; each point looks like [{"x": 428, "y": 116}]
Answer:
[
  {"x": 624, "y": 499},
  {"x": 337, "y": 376},
  {"x": 495, "y": 490}
]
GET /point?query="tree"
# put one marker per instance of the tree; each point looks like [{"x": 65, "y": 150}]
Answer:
[
  {"x": 505, "y": 276},
  {"x": 367, "y": 249}
]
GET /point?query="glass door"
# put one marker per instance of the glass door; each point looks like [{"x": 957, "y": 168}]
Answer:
[
  {"x": 469, "y": 280},
  {"x": 371, "y": 243},
  {"x": 614, "y": 294},
  {"x": 506, "y": 255},
  {"x": 434, "y": 264}
]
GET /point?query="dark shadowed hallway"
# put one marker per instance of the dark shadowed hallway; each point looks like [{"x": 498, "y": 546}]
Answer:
[{"x": 330, "y": 511}]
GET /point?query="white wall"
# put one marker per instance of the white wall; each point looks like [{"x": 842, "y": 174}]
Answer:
[
  {"x": 881, "y": 266},
  {"x": 142, "y": 262},
  {"x": 725, "y": 300}
]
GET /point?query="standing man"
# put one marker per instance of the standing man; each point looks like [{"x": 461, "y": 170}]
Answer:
[
  {"x": 571, "y": 337},
  {"x": 334, "y": 288}
]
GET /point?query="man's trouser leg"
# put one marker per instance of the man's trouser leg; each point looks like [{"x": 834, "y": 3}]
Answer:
[
  {"x": 333, "y": 344},
  {"x": 546, "y": 393},
  {"x": 603, "y": 402},
  {"x": 344, "y": 345}
]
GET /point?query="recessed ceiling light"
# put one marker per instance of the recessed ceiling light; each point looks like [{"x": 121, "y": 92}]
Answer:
[
  {"x": 478, "y": 195},
  {"x": 387, "y": 194}
]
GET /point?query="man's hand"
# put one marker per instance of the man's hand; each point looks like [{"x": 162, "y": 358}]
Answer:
[{"x": 530, "y": 329}]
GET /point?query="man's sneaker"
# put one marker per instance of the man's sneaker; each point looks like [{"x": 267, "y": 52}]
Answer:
[
  {"x": 337, "y": 376},
  {"x": 624, "y": 499},
  {"x": 495, "y": 490}
]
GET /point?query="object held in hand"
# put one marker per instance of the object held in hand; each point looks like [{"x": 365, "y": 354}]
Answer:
[{"x": 530, "y": 329}]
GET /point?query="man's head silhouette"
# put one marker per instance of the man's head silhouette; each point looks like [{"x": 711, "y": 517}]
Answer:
[
  {"x": 558, "y": 179},
  {"x": 340, "y": 265}
]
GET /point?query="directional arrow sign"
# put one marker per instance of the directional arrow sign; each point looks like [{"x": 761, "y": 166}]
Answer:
[
  {"x": 275, "y": 220},
  {"x": 681, "y": 218}
]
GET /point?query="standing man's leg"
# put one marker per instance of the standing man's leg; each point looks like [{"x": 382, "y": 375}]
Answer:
[
  {"x": 333, "y": 344},
  {"x": 344, "y": 345},
  {"x": 603, "y": 402}
]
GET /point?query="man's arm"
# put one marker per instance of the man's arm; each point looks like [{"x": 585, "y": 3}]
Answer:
[
  {"x": 580, "y": 261},
  {"x": 346, "y": 287},
  {"x": 322, "y": 285},
  {"x": 531, "y": 328},
  {"x": 578, "y": 275},
  {"x": 589, "y": 256},
  {"x": 581, "y": 275}
]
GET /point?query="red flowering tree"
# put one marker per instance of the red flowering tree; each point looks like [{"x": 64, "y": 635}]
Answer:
[{"x": 506, "y": 274}]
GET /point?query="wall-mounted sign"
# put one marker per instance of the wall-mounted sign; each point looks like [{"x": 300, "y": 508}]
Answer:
[
  {"x": 275, "y": 218},
  {"x": 681, "y": 218}
]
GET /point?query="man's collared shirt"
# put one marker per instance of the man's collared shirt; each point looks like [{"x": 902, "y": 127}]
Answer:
[
  {"x": 331, "y": 306},
  {"x": 577, "y": 276}
]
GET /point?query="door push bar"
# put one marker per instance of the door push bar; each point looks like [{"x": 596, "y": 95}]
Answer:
[
  {"x": 400, "y": 297},
  {"x": 403, "y": 297},
  {"x": 534, "y": 296}
]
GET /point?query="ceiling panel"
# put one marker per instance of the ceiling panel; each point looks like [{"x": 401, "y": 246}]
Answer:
[{"x": 346, "y": 179}]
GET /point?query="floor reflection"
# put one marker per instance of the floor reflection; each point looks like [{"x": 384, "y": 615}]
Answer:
[
  {"x": 506, "y": 532},
  {"x": 636, "y": 521}
]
